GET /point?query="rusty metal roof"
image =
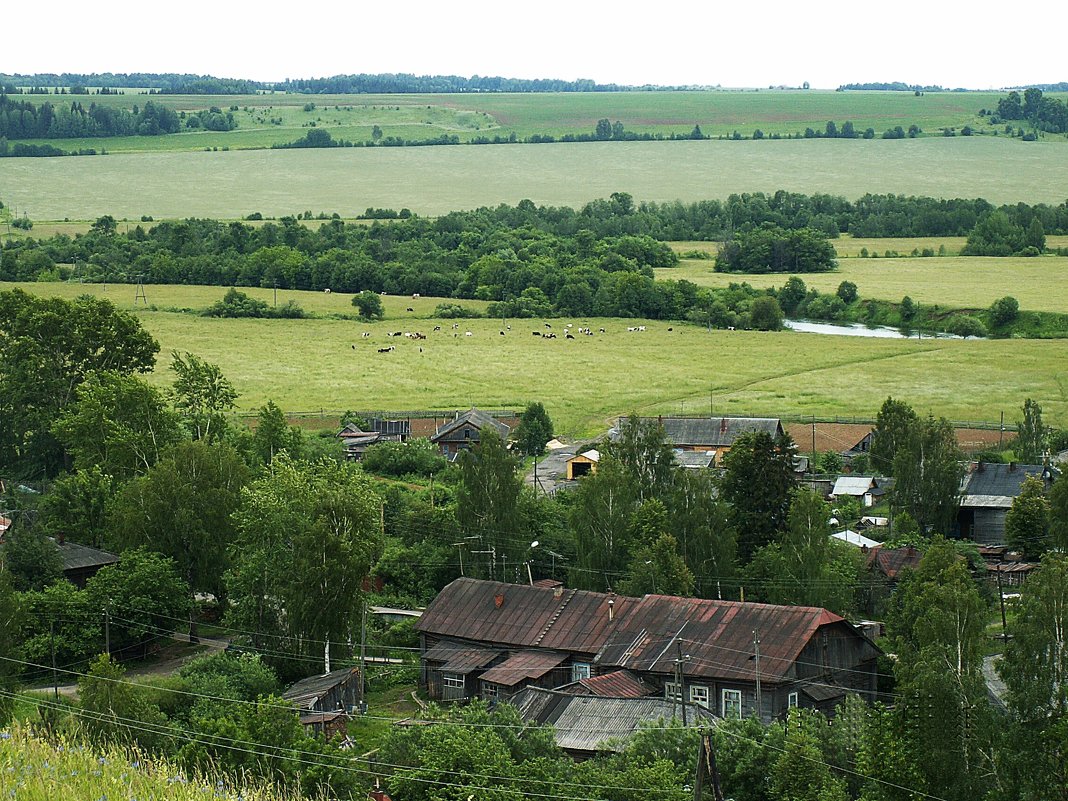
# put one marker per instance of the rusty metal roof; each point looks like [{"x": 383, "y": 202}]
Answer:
[
  {"x": 522, "y": 666},
  {"x": 645, "y": 635},
  {"x": 522, "y": 616},
  {"x": 617, "y": 684},
  {"x": 459, "y": 658},
  {"x": 714, "y": 637},
  {"x": 891, "y": 561}
]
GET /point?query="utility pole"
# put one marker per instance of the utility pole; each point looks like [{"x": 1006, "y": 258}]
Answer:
[
  {"x": 107, "y": 628},
  {"x": 680, "y": 678},
  {"x": 1001, "y": 598},
  {"x": 52, "y": 646},
  {"x": 756, "y": 670},
  {"x": 363, "y": 659},
  {"x": 707, "y": 767}
]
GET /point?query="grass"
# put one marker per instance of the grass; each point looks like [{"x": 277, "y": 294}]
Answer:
[
  {"x": 33, "y": 768},
  {"x": 971, "y": 282},
  {"x": 436, "y": 180},
  {"x": 324, "y": 364},
  {"x": 266, "y": 119}
]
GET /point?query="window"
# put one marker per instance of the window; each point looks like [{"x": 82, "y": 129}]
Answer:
[
  {"x": 671, "y": 691},
  {"x": 699, "y": 695},
  {"x": 580, "y": 670},
  {"x": 490, "y": 691},
  {"x": 732, "y": 704},
  {"x": 453, "y": 686},
  {"x": 791, "y": 700}
]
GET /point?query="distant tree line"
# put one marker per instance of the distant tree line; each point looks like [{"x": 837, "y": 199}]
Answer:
[
  {"x": 892, "y": 86},
  {"x": 163, "y": 83},
  {"x": 401, "y": 83}
]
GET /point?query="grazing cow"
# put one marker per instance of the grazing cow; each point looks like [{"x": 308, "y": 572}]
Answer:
[
  {"x": 415, "y": 296},
  {"x": 455, "y": 326},
  {"x": 670, "y": 328},
  {"x": 354, "y": 347},
  {"x": 386, "y": 350},
  {"x": 730, "y": 327},
  {"x": 502, "y": 333},
  {"x": 410, "y": 309},
  {"x": 468, "y": 334},
  {"x": 548, "y": 326},
  {"x": 569, "y": 335},
  {"x": 602, "y": 330},
  {"x": 437, "y": 327},
  {"x": 631, "y": 328},
  {"x": 397, "y": 333},
  {"x": 327, "y": 290},
  {"x": 536, "y": 333},
  {"x": 365, "y": 334},
  {"x": 641, "y": 327}
]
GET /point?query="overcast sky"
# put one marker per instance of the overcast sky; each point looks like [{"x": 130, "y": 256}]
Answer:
[{"x": 678, "y": 42}]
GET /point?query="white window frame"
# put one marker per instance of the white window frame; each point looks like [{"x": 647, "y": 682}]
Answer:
[
  {"x": 581, "y": 670},
  {"x": 672, "y": 692},
  {"x": 735, "y": 697},
  {"x": 454, "y": 680},
  {"x": 700, "y": 695},
  {"x": 792, "y": 701}
]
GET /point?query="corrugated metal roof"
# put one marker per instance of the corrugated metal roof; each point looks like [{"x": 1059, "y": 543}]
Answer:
[
  {"x": 1001, "y": 480},
  {"x": 718, "y": 635},
  {"x": 522, "y": 666},
  {"x": 617, "y": 684},
  {"x": 522, "y": 616},
  {"x": 853, "y": 485},
  {"x": 588, "y": 722},
  {"x": 853, "y": 538},
  {"x": 306, "y": 692},
  {"x": 891, "y": 561},
  {"x": 460, "y": 658},
  {"x": 76, "y": 556},
  {"x": 973, "y": 501}
]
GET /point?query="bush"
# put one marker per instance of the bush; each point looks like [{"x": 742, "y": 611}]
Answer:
[
  {"x": 765, "y": 314},
  {"x": 454, "y": 311},
  {"x": 847, "y": 291},
  {"x": 965, "y": 325},
  {"x": 418, "y": 457},
  {"x": 237, "y": 304},
  {"x": 1004, "y": 310}
]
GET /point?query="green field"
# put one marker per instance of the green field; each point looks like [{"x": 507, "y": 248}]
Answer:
[
  {"x": 974, "y": 282},
  {"x": 324, "y": 364},
  {"x": 436, "y": 180},
  {"x": 267, "y": 119}
]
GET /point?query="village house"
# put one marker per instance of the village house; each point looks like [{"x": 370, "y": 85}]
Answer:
[
  {"x": 987, "y": 493},
  {"x": 465, "y": 432},
  {"x": 708, "y": 433},
  {"x": 80, "y": 562},
  {"x": 492, "y": 640}
]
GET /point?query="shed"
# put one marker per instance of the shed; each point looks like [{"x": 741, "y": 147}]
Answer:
[
  {"x": 584, "y": 725},
  {"x": 853, "y": 538},
  {"x": 80, "y": 562},
  {"x": 335, "y": 692},
  {"x": 583, "y": 464},
  {"x": 859, "y": 487}
]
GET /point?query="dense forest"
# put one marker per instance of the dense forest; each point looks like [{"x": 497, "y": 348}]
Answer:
[
  {"x": 1043, "y": 113},
  {"x": 21, "y": 119}
]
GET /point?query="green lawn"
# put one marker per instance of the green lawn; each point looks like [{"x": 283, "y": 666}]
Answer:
[
  {"x": 1039, "y": 284},
  {"x": 325, "y": 364},
  {"x": 436, "y": 180}
]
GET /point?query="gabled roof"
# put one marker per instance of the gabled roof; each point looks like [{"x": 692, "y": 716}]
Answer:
[
  {"x": 716, "y": 432},
  {"x": 995, "y": 485},
  {"x": 891, "y": 561},
  {"x": 474, "y": 417},
  {"x": 853, "y": 538},
  {"x": 617, "y": 684},
  {"x": 587, "y": 722},
  {"x": 716, "y": 635},
  {"x": 694, "y": 459},
  {"x": 521, "y": 616},
  {"x": 835, "y": 437},
  {"x": 307, "y": 692},
  {"x": 854, "y": 486},
  {"x": 644, "y": 634}
]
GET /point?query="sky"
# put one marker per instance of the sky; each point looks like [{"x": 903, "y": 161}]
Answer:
[{"x": 709, "y": 43}]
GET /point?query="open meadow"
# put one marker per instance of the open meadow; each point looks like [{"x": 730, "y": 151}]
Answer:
[
  {"x": 264, "y": 120},
  {"x": 436, "y": 180},
  {"x": 970, "y": 282},
  {"x": 325, "y": 364}
]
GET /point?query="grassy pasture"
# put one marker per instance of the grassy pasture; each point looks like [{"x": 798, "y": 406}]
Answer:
[
  {"x": 1039, "y": 284},
  {"x": 308, "y": 365},
  {"x": 436, "y": 180},
  {"x": 719, "y": 113}
]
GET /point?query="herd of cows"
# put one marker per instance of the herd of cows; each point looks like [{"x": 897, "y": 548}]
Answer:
[{"x": 569, "y": 333}]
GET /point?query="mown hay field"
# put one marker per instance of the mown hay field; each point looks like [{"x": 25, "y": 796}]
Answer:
[
  {"x": 266, "y": 119},
  {"x": 325, "y": 364},
  {"x": 972, "y": 282},
  {"x": 436, "y": 180}
]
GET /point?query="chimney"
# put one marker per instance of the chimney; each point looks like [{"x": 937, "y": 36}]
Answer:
[
  {"x": 1012, "y": 467},
  {"x": 61, "y": 538},
  {"x": 980, "y": 467},
  {"x": 611, "y": 607},
  {"x": 723, "y": 425}
]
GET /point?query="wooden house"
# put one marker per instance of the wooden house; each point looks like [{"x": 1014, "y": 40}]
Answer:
[
  {"x": 492, "y": 640},
  {"x": 583, "y": 464},
  {"x": 987, "y": 493},
  {"x": 709, "y": 433},
  {"x": 80, "y": 562},
  {"x": 465, "y": 432}
]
